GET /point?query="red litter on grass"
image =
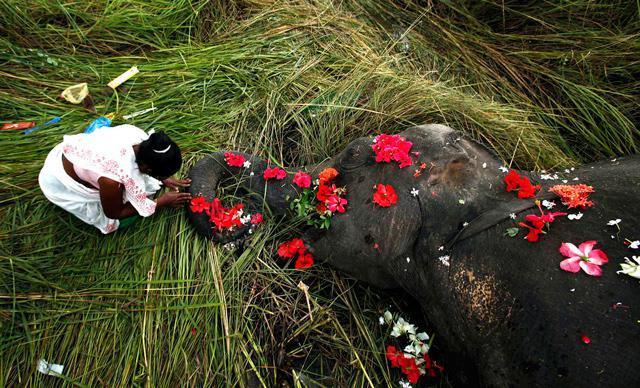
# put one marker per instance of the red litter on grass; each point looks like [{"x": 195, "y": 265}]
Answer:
[
  {"x": 585, "y": 339},
  {"x": 22, "y": 125}
]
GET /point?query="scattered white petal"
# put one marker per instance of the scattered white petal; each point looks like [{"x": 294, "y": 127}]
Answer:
[
  {"x": 613, "y": 237},
  {"x": 548, "y": 204},
  {"x": 484, "y": 165},
  {"x": 465, "y": 224},
  {"x": 246, "y": 164},
  {"x": 252, "y": 173},
  {"x": 414, "y": 192},
  {"x": 444, "y": 260},
  {"x": 512, "y": 216},
  {"x": 404, "y": 384},
  {"x": 575, "y": 216},
  {"x": 408, "y": 259},
  {"x": 388, "y": 317},
  {"x": 573, "y": 168},
  {"x": 614, "y": 222},
  {"x": 630, "y": 268},
  {"x": 546, "y": 177},
  {"x": 461, "y": 201},
  {"x": 503, "y": 169},
  {"x": 635, "y": 244},
  {"x": 572, "y": 290},
  {"x": 576, "y": 179},
  {"x": 614, "y": 159},
  {"x": 564, "y": 181},
  {"x": 567, "y": 170},
  {"x": 441, "y": 248},
  {"x": 381, "y": 320}
]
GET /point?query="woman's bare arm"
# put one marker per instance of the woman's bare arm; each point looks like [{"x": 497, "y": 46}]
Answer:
[{"x": 111, "y": 199}]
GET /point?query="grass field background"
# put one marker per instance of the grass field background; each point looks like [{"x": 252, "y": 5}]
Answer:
[{"x": 546, "y": 85}]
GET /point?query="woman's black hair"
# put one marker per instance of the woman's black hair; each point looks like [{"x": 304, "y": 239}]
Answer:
[{"x": 160, "y": 154}]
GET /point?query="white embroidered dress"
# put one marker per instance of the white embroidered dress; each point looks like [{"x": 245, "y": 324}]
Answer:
[{"x": 107, "y": 152}]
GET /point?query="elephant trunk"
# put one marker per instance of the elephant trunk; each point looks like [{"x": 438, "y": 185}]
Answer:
[{"x": 212, "y": 170}]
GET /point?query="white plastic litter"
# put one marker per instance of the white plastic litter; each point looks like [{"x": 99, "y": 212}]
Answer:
[{"x": 49, "y": 368}]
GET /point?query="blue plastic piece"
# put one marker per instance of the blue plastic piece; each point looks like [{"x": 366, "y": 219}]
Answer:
[
  {"x": 97, "y": 123},
  {"x": 54, "y": 120}
]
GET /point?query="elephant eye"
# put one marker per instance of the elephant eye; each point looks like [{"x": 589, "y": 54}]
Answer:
[{"x": 353, "y": 157}]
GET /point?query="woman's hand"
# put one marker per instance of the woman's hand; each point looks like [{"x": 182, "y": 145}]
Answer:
[
  {"x": 174, "y": 199},
  {"x": 176, "y": 184}
]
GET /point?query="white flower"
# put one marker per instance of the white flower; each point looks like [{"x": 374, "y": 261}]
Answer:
[
  {"x": 503, "y": 169},
  {"x": 441, "y": 248},
  {"x": 573, "y": 168},
  {"x": 414, "y": 192},
  {"x": 404, "y": 384},
  {"x": 246, "y": 164},
  {"x": 444, "y": 260},
  {"x": 422, "y": 336},
  {"x": 388, "y": 317},
  {"x": 381, "y": 320},
  {"x": 614, "y": 222},
  {"x": 576, "y": 179},
  {"x": 252, "y": 173},
  {"x": 245, "y": 219},
  {"x": 634, "y": 244},
  {"x": 548, "y": 204},
  {"x": 567, "y": 170},
  {"x": 461, "y": 201},
  {"x": 564, "y": 181},
  {"x": 630, "y": 268},
  {"x": 484, "y": 165},
  {"x": 512, "y": 216},
  {"x": 575, "y": 216},
  {"x": 464, "y": 225},
  {"x": 546, "y": 177},
  {"x": 408, "y": 259},
  {"x": 401, "y": 327}
]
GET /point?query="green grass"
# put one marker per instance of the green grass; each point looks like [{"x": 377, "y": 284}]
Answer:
[{"x": 544, "y": 86}]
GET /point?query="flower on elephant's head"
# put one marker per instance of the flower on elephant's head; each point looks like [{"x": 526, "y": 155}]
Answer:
[
  {"x": 574, "y": 195},
  {"x": 256, "y": 219},
  {"x": 583, "y": 256},
  {"x": 302, "y": 180},
  {"x": 336, "y": 204},
  {"x": 385, "y": 195},
  {"x": 394, "y": 148},
  {"x": 325, "y": 192},
  {"x": 522, "y": 184},
  {"x": 328, "y": 175},
  {"x": 305, "y": 260},
  {"x": 274, "y": 173},
  {"x": 393, "y": 354},
  {"x": 234, "y": 160}
]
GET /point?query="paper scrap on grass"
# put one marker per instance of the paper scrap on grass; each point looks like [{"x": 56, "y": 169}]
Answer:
[
  {"x": 50, "y": 369},
  {"x": 76, "y": 93},
  {"x": 122, "y": 78},
  {"x": 139, "y": 113}
]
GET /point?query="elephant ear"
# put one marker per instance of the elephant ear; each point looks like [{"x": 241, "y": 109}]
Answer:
[{"x": 455, "y": 172}]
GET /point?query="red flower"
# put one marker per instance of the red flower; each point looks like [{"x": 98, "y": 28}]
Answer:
[
  {"x": 321, "y": 208},
  {"x": 409, "y": 368},
  {"x": 392, "y": 148},
  {"x": 533, "y": 234},
  {"x": 546, "y": 218},
  {"x": 512, "y": 179},
  {"x": 256, "y": 219},
  {"x": 305, "y": 260},
  {"x": 234, "y": 160},
  {"x": 274, "y": 173},
  {"x": 393, "y": 354},
  {"x": 574, "y": 195},
  {"x": 302, "y": 179},
  {"x": 224, "y": 218},
  {"x": 291, "y": 248},
  {"x": 328, "y": 175},
  {"x": 527, "y": 190},
  {"x": 515, "y": 181},
  {"x": 325, "y": 191},
  {"x": 199, "y": 204},
  {"x": 385, "y": 195},
  {"x": 335, "y": 203}
]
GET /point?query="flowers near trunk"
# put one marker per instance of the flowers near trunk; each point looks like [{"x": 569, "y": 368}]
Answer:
[
  {"x": 274, "y": 173},
  {"x": 583, "y": 256},
  {"x": 385, "y": 195},
  {"x": 521, "y": 184},
  {"x": 295, "y": 247},
  {"x": 234, "y": 160},
  {"x": 392, "y": 148},
  {"x": 319, "y": 203},
  {"x": 408, "y": 350},
  {"x": 221, "y": 217}
]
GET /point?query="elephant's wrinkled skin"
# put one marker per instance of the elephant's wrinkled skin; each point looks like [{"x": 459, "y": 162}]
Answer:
[{"x": 503, "y": 304}]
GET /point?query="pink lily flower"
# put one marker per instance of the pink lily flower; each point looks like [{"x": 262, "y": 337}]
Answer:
[{"x": 583, "y": 256}]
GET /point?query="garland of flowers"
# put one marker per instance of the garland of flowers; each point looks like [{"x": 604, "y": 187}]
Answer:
[{"x": 413, "y": 360}]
